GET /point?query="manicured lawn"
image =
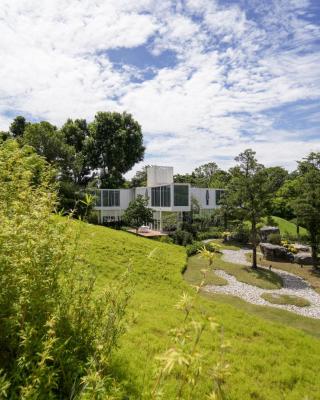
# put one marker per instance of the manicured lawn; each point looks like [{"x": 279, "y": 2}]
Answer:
[
  {"x": 307, "y": 272},
  {"x": 257, "y": 277},
  {"x": 194, "y": 276},
  {"x": 228, "y": 245},
  {"x": 285, "y": 299},
  {"x": 268, "y": 360},
  {"x": 289, "y": 227}
]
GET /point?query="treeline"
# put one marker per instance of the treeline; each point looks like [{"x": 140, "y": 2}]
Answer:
[
  {"x": 95, "y": 154},
  {"x": 280, "y": 181}
]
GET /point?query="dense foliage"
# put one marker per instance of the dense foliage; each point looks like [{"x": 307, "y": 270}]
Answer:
[{"x": 56, "y": 336}]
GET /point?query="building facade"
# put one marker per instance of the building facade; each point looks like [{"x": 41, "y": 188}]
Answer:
[{"x": 164, "y": 197}]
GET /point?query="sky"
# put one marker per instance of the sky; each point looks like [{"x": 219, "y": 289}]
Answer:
[{"x": 206, "y": 79}]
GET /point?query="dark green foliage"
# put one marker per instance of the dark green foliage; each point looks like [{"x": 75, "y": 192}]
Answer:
[
  {"x": 274, "y": 238},
  {"x": 195, "y": 247},
  {"x": 212, "y": 233},
  {"x": 48, "y": 142},
  {"x": 249, "y": 194},
  {"x": 138, "y": 213},
  {"x": 182, "y": 237},
  {"x": 241, "y": 233},
  {"x": 115, "y": 145},
  {"x": 18, "y": 126},
  {"x": 307, "y": 201},
  {"x": 140, "y": 178}
]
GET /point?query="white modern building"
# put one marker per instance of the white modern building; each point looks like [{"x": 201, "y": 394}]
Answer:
[{"x": 164, "y": 196}]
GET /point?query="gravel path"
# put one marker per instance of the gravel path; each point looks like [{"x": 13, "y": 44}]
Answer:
[{"x": 292, "y": 285}]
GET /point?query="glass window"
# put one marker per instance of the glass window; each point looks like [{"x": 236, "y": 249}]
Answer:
[
  {"x": 181, "y": 195},
  {"x": 207, "y": 197},
  {"x": 111, "y": 198},
  {"x": 97, "y": 196},
  {"x": 161, "y": 196},
  {"x": 219, "y": 196},
  {"x": 155, "y": 197}
]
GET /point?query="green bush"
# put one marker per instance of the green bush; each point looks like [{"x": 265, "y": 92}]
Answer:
[
  {"x": 56, "y": 336},
  {"x": 194, "y": 248},
  {"x": 213, "y": 233},
  {"x": 241, "y": 234},
  {"x": 274, "y": 238},
  {"x": 181, "y": 237}
]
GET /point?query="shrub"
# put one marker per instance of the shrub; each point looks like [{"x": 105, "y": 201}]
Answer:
[
  {"x": 195, "y": 247},
  {"x": 274, "y": 238},
  {"x": 56, "y": 335},
  {"x": 182, "y": 237},
  {"x": 241, "y": 234},
  {"x": 213, "y": 233}
]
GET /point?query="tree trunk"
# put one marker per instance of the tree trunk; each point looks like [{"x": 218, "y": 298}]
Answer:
[
  {"x": 314, "y": 253},
  {"x": 254, "y": 245}
]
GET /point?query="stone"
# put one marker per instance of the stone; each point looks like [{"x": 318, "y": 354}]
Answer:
[
  {"x": 303, "y": 258},
  {"x": 274, "y": 252},
  {"x": 265, "y": 231},
  {"x": 302, "y": 248}
]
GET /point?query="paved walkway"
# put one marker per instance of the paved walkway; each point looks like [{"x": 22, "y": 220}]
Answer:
[{"x": 292, "y": 285}]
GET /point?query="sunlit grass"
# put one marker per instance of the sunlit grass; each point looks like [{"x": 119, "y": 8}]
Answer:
[
  {"x": 269, "y": 360},
  {"x": 285, "y": 299}
]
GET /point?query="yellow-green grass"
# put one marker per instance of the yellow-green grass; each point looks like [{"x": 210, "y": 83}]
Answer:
[
  {"x": 227, "y": 245},
  {"x": 288, "y": 227},
  {"x": 268, "y": 360},
  {"x": 285, "y": 299},
  {"x": 261, "y": 278},
  {"x": 307, "y": 272},
  {"x": 194, "y": 276}
]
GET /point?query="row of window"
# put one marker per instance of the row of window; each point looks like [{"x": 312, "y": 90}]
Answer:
[
  {"x": 110, "y": 198},
  {"x": 160, "y": 197}
]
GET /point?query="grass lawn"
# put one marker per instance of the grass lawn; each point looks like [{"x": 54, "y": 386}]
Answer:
[
  {"x": 289, "y": 227},
  {"x": 194, "y": 276},
  {"x": 285, "y": 299},
  {"x": 269, "y": 360},
  {"x": 228, "y": 245},
  {"x": 307, "y": 272},
  {"x": 261, "y": 278}
]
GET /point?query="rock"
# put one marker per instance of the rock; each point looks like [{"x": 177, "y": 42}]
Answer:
[
  {"x": 303, "y": 258},
  {"x": 265, "y": 231},
  {"x": 273, "y": 252},
  {"x": 301, "y": 248}
]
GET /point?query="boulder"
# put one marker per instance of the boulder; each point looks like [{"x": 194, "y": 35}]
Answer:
[
  {"x": 265, "y": 231},
  {"x": 273, "y": 252},
  {"x": 302, "y": 248},
  {"x": 303, "y": 258}
]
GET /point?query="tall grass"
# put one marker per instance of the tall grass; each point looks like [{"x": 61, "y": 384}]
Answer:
[{"x": 56, "y": 336}]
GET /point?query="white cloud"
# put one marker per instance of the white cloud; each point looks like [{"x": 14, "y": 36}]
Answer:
[{"x": 231, "y": 69}]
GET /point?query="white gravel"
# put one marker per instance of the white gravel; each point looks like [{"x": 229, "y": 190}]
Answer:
[{"x": 292, "y": 285}]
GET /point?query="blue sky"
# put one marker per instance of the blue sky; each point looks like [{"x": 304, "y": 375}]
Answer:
[{"x": 205, "y": 78}]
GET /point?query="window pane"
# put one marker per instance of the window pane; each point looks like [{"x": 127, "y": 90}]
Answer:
[
  {"x": 219, "y": 196},
  {"x": 97, "y": 195},
  {"x": 105, "y": 198},
  {"x": 117, "y": 198},
  {"x": 181, "y": 195},
  {"x": 207, "y": 197}
]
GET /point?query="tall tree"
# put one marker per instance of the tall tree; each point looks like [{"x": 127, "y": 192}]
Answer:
[
  {"x": 48, "y": 142},
  {"x": 249, "y": 193},
  {"x": 114, "y": 146},
  {"x": 140, "y": 178},
  {"x": 18, "y": 126},
  {"x": 138, "y": 213},
  {"x": 307, "y": 200},
  {"x": 76, "y": 134},
  {"x": 204, "y": 173}
]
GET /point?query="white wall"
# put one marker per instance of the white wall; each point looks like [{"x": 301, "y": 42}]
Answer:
[
  {"x": 200, "y": 195},
  {"x": 157, "y": 175}
]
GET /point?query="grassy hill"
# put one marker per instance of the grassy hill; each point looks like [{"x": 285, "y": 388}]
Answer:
[
  {"x": 288, "y": 227},
  {"x": 268, "y": 360}
]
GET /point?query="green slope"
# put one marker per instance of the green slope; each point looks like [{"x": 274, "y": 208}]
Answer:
[
  {"x": 288, "y": 227},
  {"x": 269, "y": 360}
]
